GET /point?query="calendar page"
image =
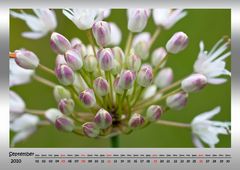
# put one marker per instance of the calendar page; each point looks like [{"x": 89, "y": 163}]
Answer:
[{"x": 110, "y": 84}]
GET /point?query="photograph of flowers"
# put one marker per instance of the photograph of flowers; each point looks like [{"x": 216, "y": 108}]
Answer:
[{"x": 120, "y": 78}]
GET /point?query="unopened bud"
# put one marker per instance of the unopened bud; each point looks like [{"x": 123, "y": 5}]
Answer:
[
  {"x": 103, "y": 119},
  {"x": 64, "y": 124},
  {"x": 137, "y": 19},
  {"x": 60, "y": 92},
  {"x": 105, "y": 58},
  {"x": 133, "y": 62},
  {"x": 126, "y": 80},
  {"x": 164, "y": 78},
  {"x": 65, "y": 74},
  {"x": 177, "y": 101},
  {"x": 194, "y": 83},
  {"x": 102, "y": 33},
  {"x": 87, "y": 97},
  {"x": 60, "y": 60},
  {"x": 118, "y": 54},
  {"x": 142, "y": 49},
  {"x": 116, "y": 67},
  {"x": 90, "y": 129},
  {"x": 26, "y": 59},
  {"x": 177, "y": 43},
  {"x": 90, "y": 63},
  {"x": 79, "y": 47},
  {"x": 73, "y": 59},
  {"x": 101, "y": 86},
  {"x": 154, "y": 112},
  {"x": 59, "y": 43},
  {"x": 157, "y": 57},
  {"x": 145, "y": 75},
  {"x": 66, "y": 106},
  {"x": 136, "y": 121},
  {"x": 52, "y": 115}
]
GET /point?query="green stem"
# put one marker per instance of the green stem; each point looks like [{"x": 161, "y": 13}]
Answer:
[
  {"x": 154, "y": 37},
  {"x": 171, "y": 123},
  {"x": 129, "y": 43},
  {"x": 159, "y": 65},
  {"x": 34, "y": 111},
  {"x": 44, "y": 81},
  {"x": 115, "y": 141},
  {"x": 108, "y": 73},
  {"x": 46, "y": 69},
  {"x": 138, "y": 95}
]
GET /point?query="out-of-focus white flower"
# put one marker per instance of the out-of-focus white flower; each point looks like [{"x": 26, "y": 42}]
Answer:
[
  {"x": 168, "y": 17},
  {"x": 84, "y": 18},
  {"x": 104, "y": 12},
  {"x": 43, "y": 22},
  {"x": 206, "y": 130},
  {"x": 150, "y": 91},
  {"x": 142, "y": 37},
  {"x": 137, "y": 19},
  {"x": 18, "y": 75},
  {"x": 23, "y": 126},
  {"x": 116, "y": 34},
  {"x": 17, "y": 105},
  {"x": 212, "y": 64}
]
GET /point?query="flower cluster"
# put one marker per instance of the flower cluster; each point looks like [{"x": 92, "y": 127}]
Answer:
[{"x": 103, "y": 90}]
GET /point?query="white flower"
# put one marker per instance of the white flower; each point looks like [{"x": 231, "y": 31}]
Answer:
[
  {"x": 137, "y": 19},
  {"x": 206, "y": 130},
  {"x": 17, "y": 74},
  {"x": 116, "y": 34},
  {"x": 84, "y": 18},
  {"x": 212, "y": 64},
  {"x": 168, "y": 17},
  {"x": 43, "y": 22},
  {"x": 16, "y": 106},
  {"x": 23, "y": 126}
]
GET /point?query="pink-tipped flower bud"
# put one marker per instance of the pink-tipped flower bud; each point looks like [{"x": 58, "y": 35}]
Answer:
[
  {"x": 26, "y": 59},
  {"x": 154, "y": 113},
  {"x": 177, "y": 43},
  {"x": 118, "y": 54},
  {"x": 103, "y": 119},
  {"x": 73, "y": 59},
  {"x": 126, "y": 80},
  {"x": 64, "y": 74},
  {"x": 60, "y": 59},
  {"x": 78, "y": 46},
  {"x": 117, "y": 88},
  {"x": 164, "y": 77},
  {"x": 194, "y": 83},
  {"x": 90, "y": 129},
  {"x": 66, "y": 106},
  {"x": 90, "y": 63},
  {"x": 105, "y": 59},
  {"x": 59, "y": 43},
  {"x": 101, "y": 86},
  {"x": 52, "y": 115},
  {"x": 116, "y": 67},
  {"x": 64, "y": 124},
  {"x": 136, "y": 121},
  {"x": 133, "y": 62},
  {"x": 102, "y": 33},
  {"x": 59, "y": 92},
  {"x": 157, "y": 57},
  {"x": 177, "y": 101},
  {"x": 145, "y": 75},
  {"x": 87, "y": 97},
  {"x": 142, "y": 49},
  {"x": 137, "y": 19}
]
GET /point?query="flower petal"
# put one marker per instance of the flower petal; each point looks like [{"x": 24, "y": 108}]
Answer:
[
  {"x": 24, "y": 122},
  {"x": 17, "y": 105},
  {"x": 207, "y": 115},
  {"x": 22, "y": 135},
  {"x": 116, "y": 34},
  {"x": 34, "y": 35}
]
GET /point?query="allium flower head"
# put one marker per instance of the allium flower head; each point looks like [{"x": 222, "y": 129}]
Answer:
[
  {"x": 212, "y": 64},
  {"x": 206, "y": 130},
  {"x": 43, "y": 22}
]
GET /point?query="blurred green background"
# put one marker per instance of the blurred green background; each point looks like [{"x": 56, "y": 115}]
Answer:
[{"x": 200, "y": 24}]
